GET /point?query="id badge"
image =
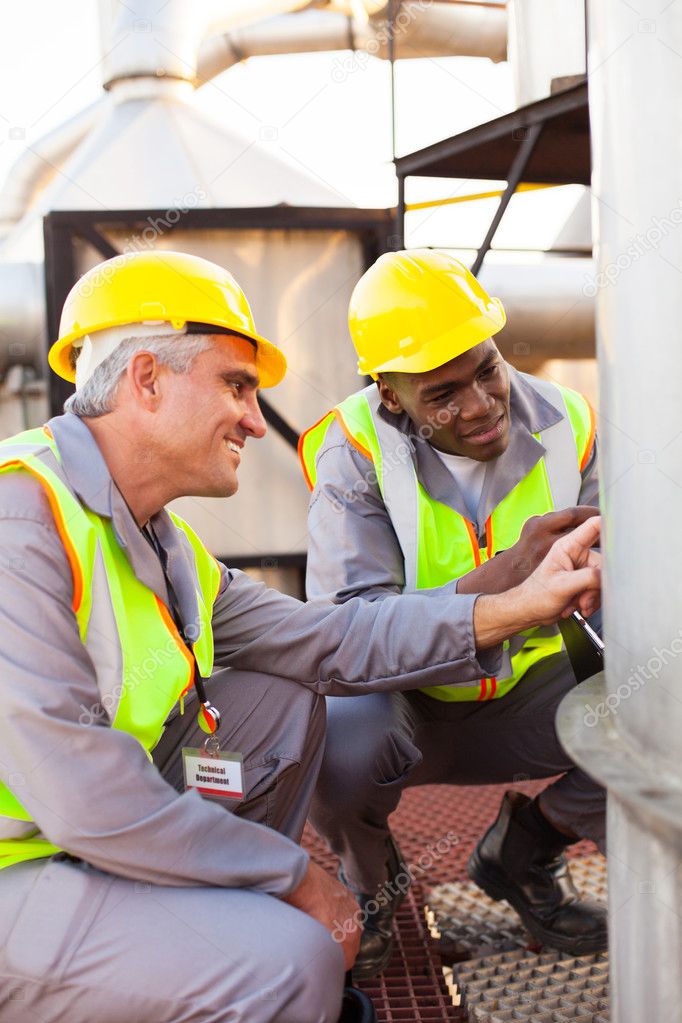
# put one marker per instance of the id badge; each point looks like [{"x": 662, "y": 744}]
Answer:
[{"x": 213, "y": 773}]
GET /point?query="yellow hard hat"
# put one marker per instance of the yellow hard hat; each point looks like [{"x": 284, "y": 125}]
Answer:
[
  {"x": 413, "y": 311},
  {"x": 159, "y": 288}
]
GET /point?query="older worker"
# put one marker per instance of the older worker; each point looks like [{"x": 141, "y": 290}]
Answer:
[{"x": 150, "y": 812}]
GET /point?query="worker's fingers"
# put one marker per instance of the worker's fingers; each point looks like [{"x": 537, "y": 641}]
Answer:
[
  {"x": 351, "y": 947},
  {"x": 347, "y": 927},
  {"x": 569, "y": 518},
  {"x": 579, "y": 580},
  {"x": 333, "y": 905},
  {"x": 589, "y": 602},
  {"x": 593, "y": 558},
  {"x": 576, "y": 545}
]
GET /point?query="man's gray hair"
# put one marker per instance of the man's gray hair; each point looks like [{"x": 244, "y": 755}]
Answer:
[{"x": 97, "y": 396}]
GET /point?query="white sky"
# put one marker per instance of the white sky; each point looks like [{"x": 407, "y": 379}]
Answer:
[{"x": 339, "y": 130}]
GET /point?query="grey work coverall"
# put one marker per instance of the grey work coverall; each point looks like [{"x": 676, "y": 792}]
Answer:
[
  {"x": 173, "y": 914},
  {"x": 381, "y": 744}
]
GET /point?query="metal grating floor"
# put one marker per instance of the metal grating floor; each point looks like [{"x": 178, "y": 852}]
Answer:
[
  {"x": 473, "y": 971},
  {"x": 539, "y": 988}
]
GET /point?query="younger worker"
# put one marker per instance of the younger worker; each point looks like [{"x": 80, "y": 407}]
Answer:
[
  {"x": 122, "y": 896},
  {"x": 453, "y": 471}
]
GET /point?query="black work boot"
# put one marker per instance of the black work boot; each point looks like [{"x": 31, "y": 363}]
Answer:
[
  {"x": 520, "y": 859},
  {"x": 378, "y": 911}
]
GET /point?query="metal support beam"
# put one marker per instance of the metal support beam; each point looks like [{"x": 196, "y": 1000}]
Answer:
[
  {"x": 344, "y": 218},
  {"x": 487, "y": 150},
  {"x": 283, "y": 428},
  {"x": 60, "y": 276},
  {"x": 399, "y": 237},
  {"x": 392, "y": 11},
  {"x": 516, "y": 172},
  {"x": 90, "y": 234}
]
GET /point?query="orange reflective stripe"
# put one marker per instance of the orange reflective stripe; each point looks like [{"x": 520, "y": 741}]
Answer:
[
  {"x": 306, "y": 476},
  {"x": 182, "y": 646},
  {"x": 354, "y": 441},
  {"x": 590, "y": 440},
  {"x": 489, "y": 551},
  {"x": 473, "y": 539},
  {"x": 76, "y": 569},
  {"x": 301, "y": 456},
  {"x": 484, "y": 693},
  {"x": 48, "y": 432}
]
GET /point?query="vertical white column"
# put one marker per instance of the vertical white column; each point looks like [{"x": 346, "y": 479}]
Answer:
[{"x": 626, "y": 729}]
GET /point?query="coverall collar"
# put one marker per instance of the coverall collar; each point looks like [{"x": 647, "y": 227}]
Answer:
[
  {"x": 87, "y": 474},
  {"x": 530, "y": 413}
]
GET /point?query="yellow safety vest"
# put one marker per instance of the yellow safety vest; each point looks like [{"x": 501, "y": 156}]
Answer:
[
  {"x": 136, "y": 690},
  {"x": 440, "y": 545}
]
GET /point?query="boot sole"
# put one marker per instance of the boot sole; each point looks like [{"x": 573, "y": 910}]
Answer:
[{"x": 498, "y": 889}]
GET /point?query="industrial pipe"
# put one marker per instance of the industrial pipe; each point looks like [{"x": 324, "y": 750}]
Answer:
[
  {"x": 163, "y": 40},
  {"x": 437, "y": 30},
  {"x": 625, "y": 727}
]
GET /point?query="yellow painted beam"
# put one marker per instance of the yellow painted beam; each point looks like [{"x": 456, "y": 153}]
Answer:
[{"x": 432, "y": 203}]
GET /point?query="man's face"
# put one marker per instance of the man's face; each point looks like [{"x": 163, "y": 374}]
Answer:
[
  {"x": 462, "y": 408},
  {"x": 207, "y": 416}
]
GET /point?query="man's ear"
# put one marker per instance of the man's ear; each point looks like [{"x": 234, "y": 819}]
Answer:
[
  {"x": 389, "y": 397},
  {"x": 143, "y": 380}
]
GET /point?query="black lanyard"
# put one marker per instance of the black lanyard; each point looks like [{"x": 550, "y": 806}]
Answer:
[{"x": 208, "y": 716}]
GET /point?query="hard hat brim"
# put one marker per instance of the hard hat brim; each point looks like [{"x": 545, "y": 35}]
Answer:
[
  {"x": 270, "y": 361},
  {"x": 443, "y": 349}
]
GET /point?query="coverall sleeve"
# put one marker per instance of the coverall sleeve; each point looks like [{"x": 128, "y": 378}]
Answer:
[
  {"x": 359, "y": 646},
  {"x": 90, "y": 788},
  {"x": 352, "y": 547}
]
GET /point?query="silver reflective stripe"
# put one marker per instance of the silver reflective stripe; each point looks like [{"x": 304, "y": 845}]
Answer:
[
  {"x": 399, "y": 488},
  {"x": 101, "y": 639},
  {"x": 22, "y": 452},
  {"x": 10, "y": 827},
  {"x": 103, "y": 644},
  {"x": 561, "y": 460},
  {"x": 506, "y": 669},
  {"x": 563, "y": 475},
  {"x": 400, "y": 494}
]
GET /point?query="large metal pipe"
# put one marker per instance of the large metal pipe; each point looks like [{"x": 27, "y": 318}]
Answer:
[
  {"x": 549, "y": 316},
  {"x": 625, "y": 728},
  {"x": 433, "y": 30},
  {"x": 162, "y": 40},
  {"x": 152, "y": 40}
]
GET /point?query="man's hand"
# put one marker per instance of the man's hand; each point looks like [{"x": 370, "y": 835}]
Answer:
[
  {"x": 328, "y": 901},
  {"x": 568, "y": 578},
  {"x": 512, "y": 567},
  {"x": 540, "y": 533}
]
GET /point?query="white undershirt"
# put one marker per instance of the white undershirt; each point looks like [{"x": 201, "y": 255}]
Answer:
[{"x": 469, "y": 475}]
